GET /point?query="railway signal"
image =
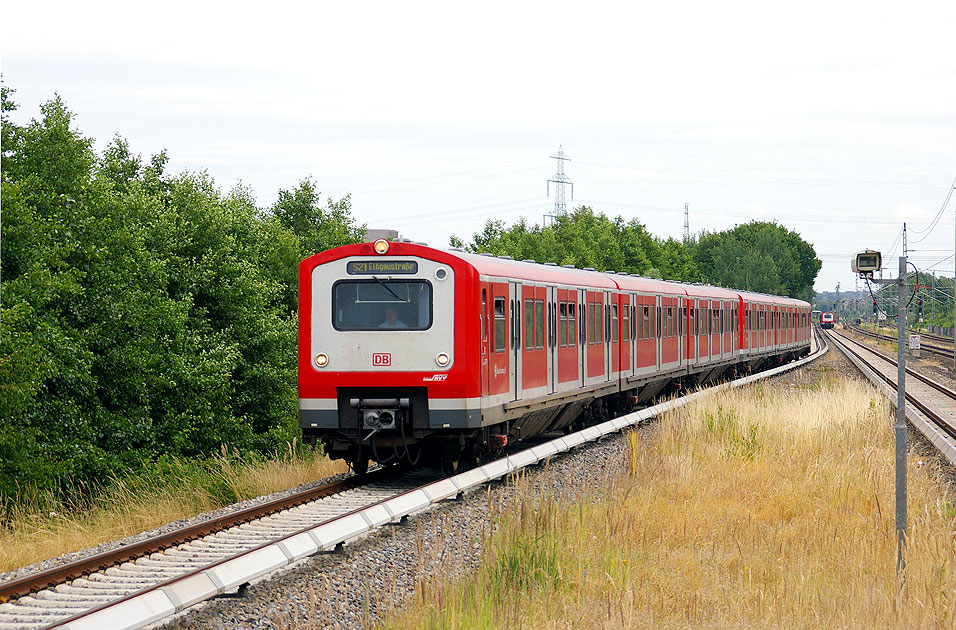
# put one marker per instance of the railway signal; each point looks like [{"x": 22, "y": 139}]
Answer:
[{"x": 864, "y": 264}]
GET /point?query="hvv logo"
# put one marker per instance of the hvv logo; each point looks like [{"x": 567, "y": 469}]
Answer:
[{"x": 381, "y": 359}]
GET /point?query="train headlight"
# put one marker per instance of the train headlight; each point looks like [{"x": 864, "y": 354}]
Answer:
[
  {"x": 321, "y": 359},
  {"x": 442, "y": 359},
  {"x": 381, "y": 246}
]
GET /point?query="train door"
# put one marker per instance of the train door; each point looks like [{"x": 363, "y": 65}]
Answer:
[
  {"x": 534, "y": 341},
  {"x": 486, "y": 319},
  {"x": 723, "y": 329},
  {"x": 582, "y": 298},
  {"x": 658, "y": 337},
  {"x": 691, "y": 331},
  {"x": 681, "y": 329},
  {"x": 609, "y": 321},
  {"x": 499, "y": 357},
  {"x": 552, "y": 339},
  {"x": 627, "y": 339},
  {"x": 514, "y": 362}
]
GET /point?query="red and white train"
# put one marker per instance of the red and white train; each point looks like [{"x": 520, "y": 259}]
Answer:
[
  {"x": 406, "y": 350},
  {"x": 827, "y": 320}
]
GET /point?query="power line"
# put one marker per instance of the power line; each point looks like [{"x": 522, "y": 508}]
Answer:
[
  {"x": 779, "y": 180},
  {"x": 939, "y": 214}
]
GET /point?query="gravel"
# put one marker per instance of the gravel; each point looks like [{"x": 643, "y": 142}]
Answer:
[{"x": 355, "y": 587}]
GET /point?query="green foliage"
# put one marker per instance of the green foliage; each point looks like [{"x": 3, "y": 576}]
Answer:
[
  {"x": 584, "y": 238},
  {"x": 759, "y": 256},
  {"x": 144, "y": 315}
]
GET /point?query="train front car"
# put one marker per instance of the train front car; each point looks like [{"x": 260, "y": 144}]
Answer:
[
  {"x": 827, "y": 320},
  {"x": 383, "y": 352}
]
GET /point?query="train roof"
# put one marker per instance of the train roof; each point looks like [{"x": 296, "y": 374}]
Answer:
[
  {"x": 532, "y": 271},
  {"x": 506, "y": 267}
]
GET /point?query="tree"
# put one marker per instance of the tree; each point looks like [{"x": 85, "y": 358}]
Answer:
[
  {"x": 584, "y": 239},
  {"x": 142, "y": 314},
  {"x": 759, "y": 256}
]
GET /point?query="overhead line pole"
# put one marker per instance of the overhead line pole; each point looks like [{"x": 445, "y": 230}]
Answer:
[{"x": 901, "y": 413}]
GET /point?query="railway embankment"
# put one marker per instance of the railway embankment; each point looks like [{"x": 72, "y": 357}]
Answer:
[{"x": 767, "y": 506}]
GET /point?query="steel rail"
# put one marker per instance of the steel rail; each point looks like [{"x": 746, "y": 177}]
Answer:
[
  {"x": 936, "y": 385},
  {"x": 33, "y": 582},
  {"x": 934, "y": 337},
  {"x": 939, "y": 350}
]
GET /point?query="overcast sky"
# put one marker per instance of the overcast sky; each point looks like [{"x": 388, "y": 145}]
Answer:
[{"x": 837, "y": 119}]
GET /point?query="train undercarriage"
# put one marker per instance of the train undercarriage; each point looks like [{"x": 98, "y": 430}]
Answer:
[{"x": 392, "y": 426}]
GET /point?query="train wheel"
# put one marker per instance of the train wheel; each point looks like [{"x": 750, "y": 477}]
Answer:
[
  {"x": 449, "y": 465},
  {"x": 474, "y": 457},
  {"x": 360, "y": 462}
]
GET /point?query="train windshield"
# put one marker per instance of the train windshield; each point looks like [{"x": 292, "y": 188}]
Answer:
[{"x": 382, "y": 304}]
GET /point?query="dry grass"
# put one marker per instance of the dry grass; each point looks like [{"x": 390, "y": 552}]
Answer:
[
  {"x": 49, "y": 527},
  {"x": 754, "y": 508}
]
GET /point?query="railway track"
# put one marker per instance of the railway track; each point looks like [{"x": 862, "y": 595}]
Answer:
[
  {"x": 942, "y": 351},
  {"x": 931, "y": 405},
  {"x": 146, "y": 582},
  {"x": 947, "y": 342}
]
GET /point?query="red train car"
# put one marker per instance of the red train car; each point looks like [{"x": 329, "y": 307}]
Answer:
[
  {"x": 827, "y": 320},
  {"x": 408, "y": 351}
]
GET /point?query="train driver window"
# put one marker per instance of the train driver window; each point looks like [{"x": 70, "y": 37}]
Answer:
[
  {"x": 381, "y": 305},
  {"x": 501, "y": 326}
]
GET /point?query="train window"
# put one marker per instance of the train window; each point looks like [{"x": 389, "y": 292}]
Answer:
[
  {"x": 626, "y": 323},
  {"x": 598, "y": 323},
  {"x": 515, "y": 326},
  {"x": 683, "y": 319},
  {"x": 539, "y": 324},
  {"x": 529, "y": 324},
  {"x": 614, "y": 322},
  {"x": 563, "y": 324},
  {"x": 484, "y": 307},
  {"x": 590, "y": 322},
  {"x": 381, "y": 304},
  {"x": 572, "y": 325},
  {"x": 633, "y": 322},
  {"x": 501, "y": 326}
]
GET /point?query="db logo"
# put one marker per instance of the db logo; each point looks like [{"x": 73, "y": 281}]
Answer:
[{"x": 381, "y": 359}]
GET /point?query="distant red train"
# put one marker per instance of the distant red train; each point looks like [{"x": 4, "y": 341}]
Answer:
[
  {"x": 827, "y": 320},
  {"x": 406, "y": 351}
]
